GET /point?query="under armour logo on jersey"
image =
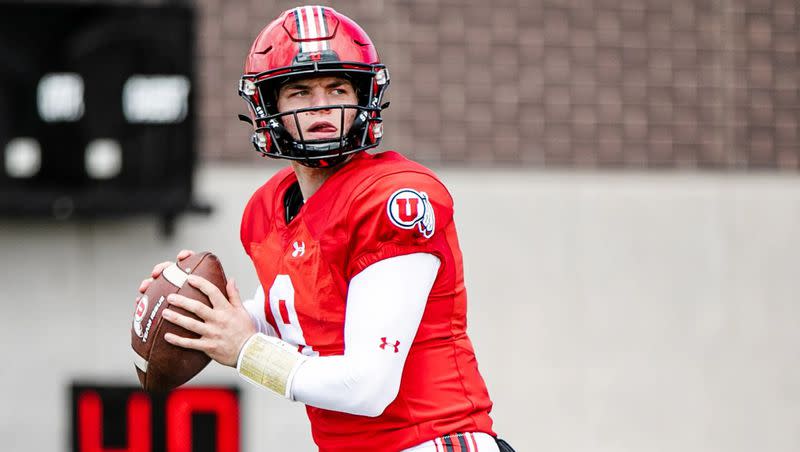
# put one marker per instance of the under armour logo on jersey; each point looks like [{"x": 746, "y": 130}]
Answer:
[
  {"x": 407, "y": 208},
  {"x": 396, "y": 345},
  {"x": 299, "y": 249}
]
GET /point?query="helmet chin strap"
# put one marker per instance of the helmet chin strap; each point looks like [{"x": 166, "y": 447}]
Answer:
[{"x": 321, "y": 146}]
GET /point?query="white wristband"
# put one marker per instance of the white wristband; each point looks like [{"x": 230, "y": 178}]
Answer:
[{"x": 270, "y": 363}]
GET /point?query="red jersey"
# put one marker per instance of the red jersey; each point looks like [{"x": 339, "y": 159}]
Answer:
[{"x": 374, "y": 207}]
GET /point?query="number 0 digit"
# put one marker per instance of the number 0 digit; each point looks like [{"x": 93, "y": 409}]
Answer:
[{"x": 282, "y": 306}]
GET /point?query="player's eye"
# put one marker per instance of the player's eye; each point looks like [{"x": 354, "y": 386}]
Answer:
[{"x": 299, "y": 93}]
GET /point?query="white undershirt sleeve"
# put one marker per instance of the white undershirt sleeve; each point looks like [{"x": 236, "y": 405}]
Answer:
[
  {"x": 255, "y": 307},
  {"x": 385, "y": 303}
]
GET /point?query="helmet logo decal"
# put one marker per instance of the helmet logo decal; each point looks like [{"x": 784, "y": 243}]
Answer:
[
  {"x": 311, "y": 26},
  {"x": 408, "y": 207}
]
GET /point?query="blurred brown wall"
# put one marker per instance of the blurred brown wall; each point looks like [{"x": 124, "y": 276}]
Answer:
[{"x": 583, "y": 83}]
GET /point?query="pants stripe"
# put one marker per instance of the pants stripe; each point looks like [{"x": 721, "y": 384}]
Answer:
[
  {"x": 474, "y": 444},
  {"x": 462, "y": 442},
  {"x": 448, "y": 443}
]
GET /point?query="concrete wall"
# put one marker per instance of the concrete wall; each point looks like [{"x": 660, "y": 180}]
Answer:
[{"x": 610, "y": 312}]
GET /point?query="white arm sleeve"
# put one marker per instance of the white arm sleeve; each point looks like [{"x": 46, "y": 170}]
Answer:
[
  {"x": 255, "y": 307},
  {"x": 385, "y": 303}
]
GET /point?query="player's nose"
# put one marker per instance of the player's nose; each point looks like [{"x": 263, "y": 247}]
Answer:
[{"x": 320, "y": 98}]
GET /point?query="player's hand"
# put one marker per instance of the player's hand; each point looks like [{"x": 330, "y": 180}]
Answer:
[
  {"x": 156, "y": 272},
  {"x": 223, "y": 328}
]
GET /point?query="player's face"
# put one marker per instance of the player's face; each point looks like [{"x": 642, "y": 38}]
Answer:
[{"x": 318, "y": 92}]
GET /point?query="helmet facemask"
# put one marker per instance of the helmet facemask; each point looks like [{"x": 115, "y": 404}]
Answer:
[{"x": 271, "y": 137}]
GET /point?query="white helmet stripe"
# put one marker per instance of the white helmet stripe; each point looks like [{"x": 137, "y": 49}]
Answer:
[
  {"x": 312, "y": 28},
  {"x": 323, "y": 27}
]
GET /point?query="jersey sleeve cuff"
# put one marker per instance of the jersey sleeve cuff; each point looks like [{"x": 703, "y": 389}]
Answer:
[{"x": 386, "y": 251}]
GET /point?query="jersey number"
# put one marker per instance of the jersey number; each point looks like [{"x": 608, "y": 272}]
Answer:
[{"x": 281, "y": 304}]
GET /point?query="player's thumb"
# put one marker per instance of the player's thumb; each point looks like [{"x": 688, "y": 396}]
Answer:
[{"x": 233, "y": 293}]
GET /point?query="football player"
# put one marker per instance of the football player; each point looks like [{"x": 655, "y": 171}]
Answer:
[{"x": 361, "y": 309}]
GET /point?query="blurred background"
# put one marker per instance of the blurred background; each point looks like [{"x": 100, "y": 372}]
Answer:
[{"x": 625, "y": 179}]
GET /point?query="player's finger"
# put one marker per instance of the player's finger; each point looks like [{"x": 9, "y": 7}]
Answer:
[
  {"x": 185, "y": 342},
  {"x": 195, "y": 307},
  {"x": 189, "y": 323},
  {"x": 184, "y": 253},
  {"x": 233, "y": 293},
  {"x": 145, "y": 284},
  {"x": 160, "y": 268},
  {"x": 211, "y": 291}
]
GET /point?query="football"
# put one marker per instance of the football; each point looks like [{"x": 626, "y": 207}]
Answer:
[{"x": 160, "y": 365}]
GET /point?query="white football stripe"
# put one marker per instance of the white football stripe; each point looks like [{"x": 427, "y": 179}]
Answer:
[
  {"x": 175, "y": 275},
  {"x": 139, "y": 362}
]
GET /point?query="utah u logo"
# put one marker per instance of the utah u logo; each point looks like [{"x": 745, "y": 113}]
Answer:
[
  {"x": 141, "y": 307},
  {"x": 138, "y": 316},
  {"x": 407, "y": 208}
]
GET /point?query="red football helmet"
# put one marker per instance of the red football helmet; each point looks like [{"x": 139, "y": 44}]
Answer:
[{"x": 307, "y": 41}]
